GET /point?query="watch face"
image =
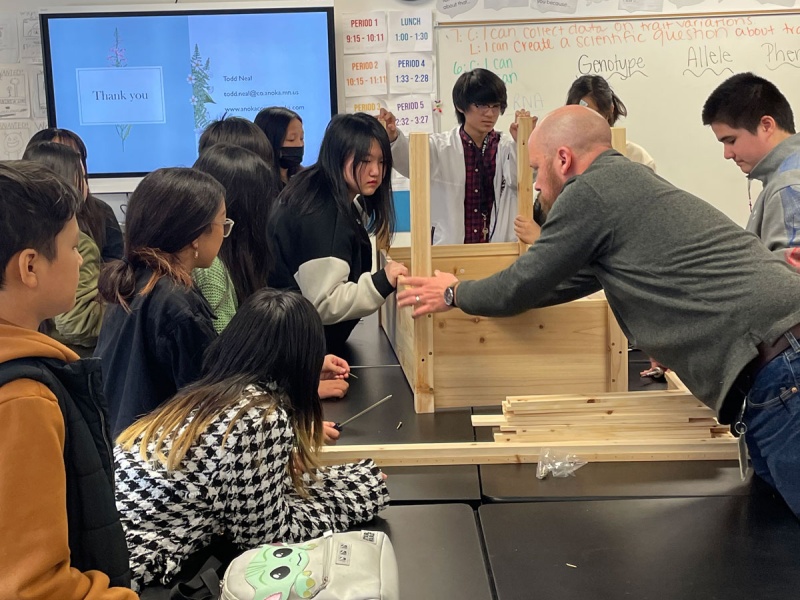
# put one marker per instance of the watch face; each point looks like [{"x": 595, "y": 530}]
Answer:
[{"x": 448, "y": 296}]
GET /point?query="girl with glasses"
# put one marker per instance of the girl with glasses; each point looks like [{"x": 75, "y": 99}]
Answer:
[{"x": 157, "y": 324}]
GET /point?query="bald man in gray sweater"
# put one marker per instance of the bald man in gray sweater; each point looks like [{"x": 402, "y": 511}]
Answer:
[{"x": 688, "y": 286}]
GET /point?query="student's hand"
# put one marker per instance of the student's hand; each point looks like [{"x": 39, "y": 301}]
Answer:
[
  {"x": 389, "y": 122},
  {"x": 334, "y": 368},
  {"x": 515, "y": 125},
  {"x": 393, "y": 271},
  {"x": 426, "y": 294},
  {"x": 332, "y": 388},
  {"x": 329, "y": 434},
  {"x": 526, "y": 229}
]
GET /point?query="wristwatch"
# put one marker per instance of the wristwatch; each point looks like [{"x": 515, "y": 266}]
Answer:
[{"x": 450, "y": 296}]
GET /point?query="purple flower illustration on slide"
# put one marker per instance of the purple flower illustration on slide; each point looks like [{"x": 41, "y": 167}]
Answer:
[
  {"x": 117, "y": 58},
  {"x": 201, "y": 89}
]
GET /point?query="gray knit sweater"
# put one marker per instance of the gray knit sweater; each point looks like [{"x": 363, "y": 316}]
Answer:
[{"x": 687, "y": 285}]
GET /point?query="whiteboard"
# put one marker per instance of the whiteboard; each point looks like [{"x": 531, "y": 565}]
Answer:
[{"x": 662, "y": 69}]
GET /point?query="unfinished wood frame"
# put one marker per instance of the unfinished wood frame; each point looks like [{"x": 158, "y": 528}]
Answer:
[{"x": 456, "y": 360}]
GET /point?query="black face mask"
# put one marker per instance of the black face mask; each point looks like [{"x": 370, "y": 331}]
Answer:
[{"x": 291, "y": 156}]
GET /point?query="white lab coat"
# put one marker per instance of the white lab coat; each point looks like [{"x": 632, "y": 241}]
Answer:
[{"x": 448, "y": 178}]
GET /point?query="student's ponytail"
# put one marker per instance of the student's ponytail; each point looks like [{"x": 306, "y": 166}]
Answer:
[{"x": 117, "y": 282}]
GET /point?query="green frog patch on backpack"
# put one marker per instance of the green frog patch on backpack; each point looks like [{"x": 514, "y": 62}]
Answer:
[{"x": 277, "y": 568}]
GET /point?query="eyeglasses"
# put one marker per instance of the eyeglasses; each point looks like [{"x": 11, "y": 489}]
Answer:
[
  {"x": 227, "y": 227},
  {"x": 484, "y": 108}
]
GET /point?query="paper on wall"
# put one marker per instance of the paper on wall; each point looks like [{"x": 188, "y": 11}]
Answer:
[
  {"x": 364, "y": 32},
  {"x": 30, "y": 41},
  {"x": 38, "y": 96},
  {"x": 414, "y": 112},
  {"x": 366, "y": 104},
  {"x": 365, "y": 75},
  {"x": 410, "y": 73},
  {"x": 500, "y": 4},
  {"x": 14, "y": 92},
  {"x": 14, "y": 136},
  {"x": 411, "y": 31},
  {"x": 9, "y": 40},
  {"x": 634, "y": 5},
  {"x": 38, "y": 125},
  {"x": 453, "y": 8},
  {"x": 568, "y": 7}
]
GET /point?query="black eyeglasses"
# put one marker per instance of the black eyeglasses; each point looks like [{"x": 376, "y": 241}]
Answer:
[{"x": 484, "y": 108}]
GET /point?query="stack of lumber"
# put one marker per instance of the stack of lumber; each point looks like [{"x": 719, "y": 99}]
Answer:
[
  {"x": 638, "y": 422},
  {"x": 608, "y": 427}
]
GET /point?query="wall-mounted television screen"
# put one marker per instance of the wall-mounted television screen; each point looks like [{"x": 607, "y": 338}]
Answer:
[{"x": 139, "y": 84}]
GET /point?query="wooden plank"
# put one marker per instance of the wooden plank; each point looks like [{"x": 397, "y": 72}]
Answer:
[
  {"x": 612, "y": 434},
  {"x": 617, "y": 355},
  {"x": 654, "y": 396},
  {"x": 524, "y": 174},
  {"x": 619, "y": 141},
  {"x": 471, "y": 453},
  {"x": 582, "y": 429},
  {"x": 466, "y": 261},
  {"x": 609, "y": 420},
  {"x": 674, "y": 382},
  {"x": 419, "y": 173},
  {"x": 480, "y": 361}
]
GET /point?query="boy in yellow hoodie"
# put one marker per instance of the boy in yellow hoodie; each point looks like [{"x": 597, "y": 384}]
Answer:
[{"x": 56, "y": 478}]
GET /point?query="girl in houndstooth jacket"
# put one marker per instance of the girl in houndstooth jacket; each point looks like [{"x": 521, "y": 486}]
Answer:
[{"x": 235, "y": 454}]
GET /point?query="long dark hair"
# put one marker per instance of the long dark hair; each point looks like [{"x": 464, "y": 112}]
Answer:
[
  {"x": 250, "y": 189},
  {"x": 169, "y": 209},
  {"x": 91, "y": 216},
  {"x": 608, "y": 103},
  {"x": 239, "y": 132},
  {"x": 64, "y": 162},
  {"x": 274, "y": 121},
  {"x": 274, "y": 341},
  {"x": 346, "y": 136}
]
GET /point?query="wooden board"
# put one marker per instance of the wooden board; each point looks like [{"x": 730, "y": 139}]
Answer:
[
  {"x": 472, "y": 453},
  {"x": 524, "y": 173},
  {"x": 421, "y": 267},
  {"x": 480, "y": 361}
]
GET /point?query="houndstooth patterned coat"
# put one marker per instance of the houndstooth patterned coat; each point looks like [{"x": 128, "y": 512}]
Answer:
[{"x": 242, "y": 490}]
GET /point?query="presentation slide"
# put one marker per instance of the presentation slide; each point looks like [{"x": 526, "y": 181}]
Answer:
[{"x": 140, "y": 89}]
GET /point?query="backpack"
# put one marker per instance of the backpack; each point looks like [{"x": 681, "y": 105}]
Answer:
[
  {"x": 357, "y": 565},
  {"x": 96, "y": 537}
]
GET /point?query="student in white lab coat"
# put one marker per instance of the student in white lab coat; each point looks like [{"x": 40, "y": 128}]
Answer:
[{"x": 473, "y": 167}]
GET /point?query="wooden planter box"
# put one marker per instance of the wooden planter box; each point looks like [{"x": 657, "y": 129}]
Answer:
[{"x": 455, "y": 360}]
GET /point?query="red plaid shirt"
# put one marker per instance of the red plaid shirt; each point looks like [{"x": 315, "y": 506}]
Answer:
[{"x": 481, "y": 164}]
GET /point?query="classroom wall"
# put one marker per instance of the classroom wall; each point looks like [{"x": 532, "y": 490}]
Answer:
[
  {"x": 346, "y": 6},
  {"x": 341, "y": 7}
]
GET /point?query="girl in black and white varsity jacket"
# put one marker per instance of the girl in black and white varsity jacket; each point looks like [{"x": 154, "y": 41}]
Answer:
[
  {"x": 320, "y": 229},
  {"x": 235, "y": 453}
]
